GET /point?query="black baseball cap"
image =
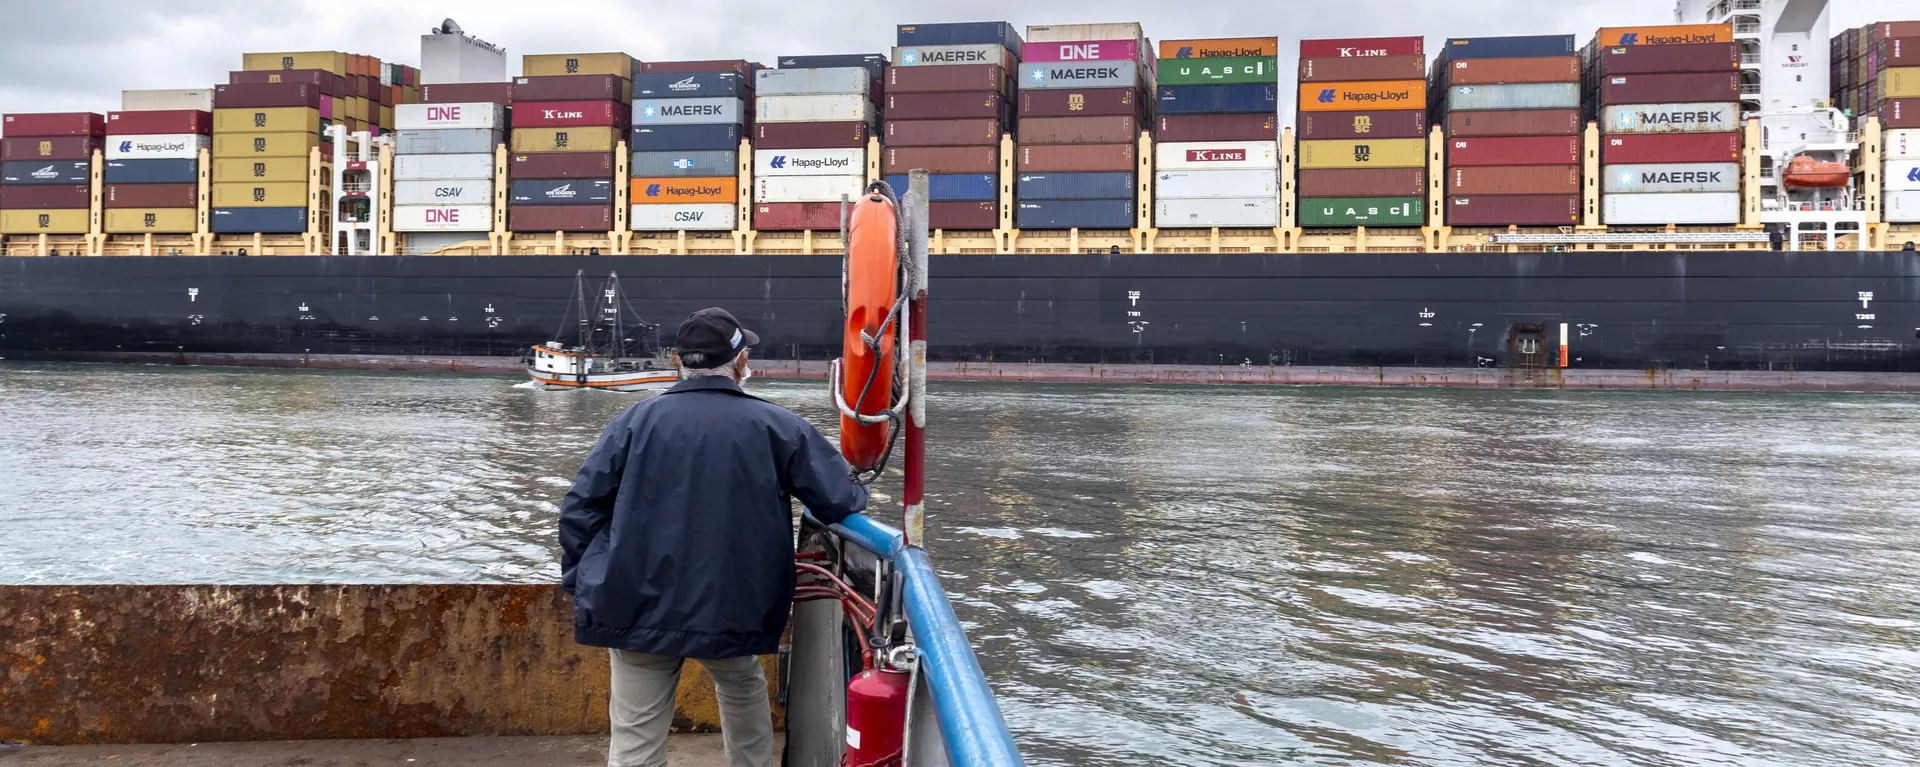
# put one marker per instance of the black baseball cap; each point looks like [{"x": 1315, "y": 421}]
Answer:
[{"x": 711, "y": 338}]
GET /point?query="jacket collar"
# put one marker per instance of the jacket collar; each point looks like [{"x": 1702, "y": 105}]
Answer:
[{"x": 707, "y": 383}]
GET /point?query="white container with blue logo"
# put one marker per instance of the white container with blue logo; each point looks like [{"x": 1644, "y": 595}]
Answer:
[
  {"x": 684, "y": 164},
  {"x": 690, "y": 217},
  {"x": 1054, "y": 75},
  {"x": 708, "y": 111},
  {"x": 809, "y": 162},
  {"x": 168, "y": 146}
]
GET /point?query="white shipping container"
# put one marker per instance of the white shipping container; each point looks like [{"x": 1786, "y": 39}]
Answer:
[
  {"x": 464, "y": 115},
  {"x": 422, "y": 243},
  {"x": 953, "y": 55},
  {"x": 1228, "y": 211},
  {"x": 707, "y": 111},
  {"x": 808, "y": 162},
  {"x": 1188, "y": 155},
  {"x": 807, "y": 109},
  {"x": 443, "y": 218},
  {"x": 1074, "y": 33},
  {"x": 160, "y": 146},
  {"x": 1671, "y": 118},
  {"x": 163, "y": 100},
  {"x": 1667, "y": 178},
  {"x": 1903, "y": 144},
  {"x": 1201, "y": 184},
  {"x": 1662, "y": 209},
  {"x": 447, "y": 141},
  {"x": 443, "y": 192},
  {"x": 812, "y": 82},
  {"x": 1467, "y": 98},
  {"x": 1900, "y": 207},
  {"x": 1902, "y": 176},
  {"x": 442, "y": 167},
  {"x": 808, "y": 188},
  {"x": 673, "y": 218}
]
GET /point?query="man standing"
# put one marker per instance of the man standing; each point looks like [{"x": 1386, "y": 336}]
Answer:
[{"x": 676, "y": 542}]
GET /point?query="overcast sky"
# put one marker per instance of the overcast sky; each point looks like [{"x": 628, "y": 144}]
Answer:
[{"x": 70, "y": 55}]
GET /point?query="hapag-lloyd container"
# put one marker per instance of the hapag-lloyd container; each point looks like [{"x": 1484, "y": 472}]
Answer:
[
  {"x": 470, "y": 116},
  {"x": 1466, "y": 98},
  {"x": 579, "y": 88},
  {"x": 149, "y": 195},
  {"x": 66, "y": 221},
  {"x": 808, "y": 188},
  {"x": 1362, "y": 182},
  {"x": 1661, "y": 209},
  {"x": 471, "y": 192},
  {"x": 1516, "y": 47},
  {"x": 434, "y": 167},
  {"x": 1513, "y": 210},
  {"x": 1086, "y": 74},
  {"x": 179, "y": 146},
  {"x": 65, "y": 172},
  {"x": 48, "y": 148},
  {"x": 1513, "y": 179},
  {"x": 1402, "y": 123},
  {"x": 54, "y": 124},
  {"x": 1079, "y": 130},
  {"x": 1358, "y": 96},
  {"x": 970, "y": 77},
  {"x": 1902, "y": 175},
  {"x": 967, "y": 132},
  {"x": 159, "y": 122},
  {"x": 1075, "y": 158},
  {"x": 854, "y": 81},
  {"x": 1367, "y": 68},
  {"x": 940, "y": 159},
  {"x": 1197, "y": 184},
  {"x": 944, "y": 106},
  {"x": 1671, "y": 118},
  {"x": 152, "y": 171},
  {"x": 690, "y": 85},
  {"x": 596, "y": 140},
  {"x": 1900, "y": 207},
  {"x": 1222, "y": 211},
  {"x": 684, "y": 164},
  {"x": 177, "y": 220},
  {"x": 953, "y": 55},
  {"x": 827, "y": 108},
  {"x": 566, "y": 191},
  {"x": 1218, "y": 155},
  {"x": 691, "y": 217},
  {"x": 1234, "y": 127},
  {"x": 1217, "y": 99},
  {"x": 1084, "y": 50},
  {"x": 1074, "y": 186},
  {"x": 1364, "y": 153},
  {"x": 1667, "y": 34},
  {"x": 1514, "y": 150},
  {"x": 447, "y": 141},
  {"x": 809, "y": 162},
  {"x": 962, "y": 33},
  {"x": 1670, "y": 147},
  {"x": 1073, "y": 214},
  {"x": 1668, "y": 59},
  {"x": 1075, "y": 103},
  {"x": 1514, "y": 122},
  {"x": 1668, "y": 178},
  {"x": 558, "y": 165},
  {"x": 560, "y": 218},
  {"x": 1385, "y": 210},
  {"x": 1240, "y": 70},
  {"x": 1551, "y": 69},
  {"x": 442, "y": 218},
  {"x": 958, "y": 187},
  {"x": 261, "y": 220},
  {"x": 687, "y": 138},
  {"x": 846, "y": 135},
  {"x": 1668, "y": 89},
  {"x": 716, "y": 189},
  {"x": 49, "y": 197},
  {"x": 1362, "y": 47},
  {"x": 721, "y": 111},
  {"x": 795, "y": 216},
  {"x": 1903, "y": 144}
]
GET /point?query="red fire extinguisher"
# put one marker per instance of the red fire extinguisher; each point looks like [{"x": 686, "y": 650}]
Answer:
[{"x": 876, "y": 718}]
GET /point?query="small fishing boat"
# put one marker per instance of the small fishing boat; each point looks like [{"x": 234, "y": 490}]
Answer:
[{"x": 602, "y": 355}]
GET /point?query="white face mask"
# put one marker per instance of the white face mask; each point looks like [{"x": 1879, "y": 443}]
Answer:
[{"x": 746, "y": 374}]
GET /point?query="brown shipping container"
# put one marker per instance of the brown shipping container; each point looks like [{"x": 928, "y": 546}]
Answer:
[
  {"x": 150, "y": 196},
  {"x": 1514, "y": 179},
  {"x": 940, "y": 159},
  {"x": 1690, "y": 87},
  {"x": 1900, "y": 52},
  {"x": 1399, "y": 123},
  {"x": 573, "y": 88},
  {"x": 45, "y": 197},
  {"x": 1518, "y": 122},
  {"x": 1237, "y": 127},
  {"x": 1551, "y": 69},
  {"x": 28, "y": 148},
  {"x": 1079, "y": 130},
  {"x": 560, "y": 165},
  {"x": 742, "y": 66},
  {"x": 1670, "y": 147},
  {"x": 159, "y": 121},
  {"x": 466, "y": 93},
  {"x": 1361, "y": 47},
  {"x": 1900, "y": 113},
  {"x": 1076, "y": 158},
  {"x": 560, "y": 218},
  {"x": 975, "y": 132},
  {"x": 952, "y": 214},
  {"x": 834, "y": 135},
  {"x": 1078, "y": 103},
  {"x": 1888, "y": 30},
  {"x": 54, "y": 124},
  {"x": 329, "y": 83},
  {"x": 266, "y": 95},
  {"x": 942, "y": 106},
  {"x": 1363, "y": 182},
  {"x": 1669, "y": 59},
  {"x": 1513, "y": 150},
  {"x": 1513, "y": 209},
  {"x": 965, "y": 77},
  {"x": 795, "y": 216},
  {"x": 1367, "y": 68}
]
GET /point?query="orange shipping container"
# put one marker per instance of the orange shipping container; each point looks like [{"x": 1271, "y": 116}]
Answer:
[
  {"x": 650, "y": 191},
  {"x": 1352, "y": 97},
  {"x": 1221, "y": 48},
  {"x": 1670, "y": 34}
]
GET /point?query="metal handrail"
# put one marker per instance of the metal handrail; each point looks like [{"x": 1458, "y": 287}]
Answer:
[
  {"x": 971, "y": 726},
  {"x": 1749, "y": 59}
]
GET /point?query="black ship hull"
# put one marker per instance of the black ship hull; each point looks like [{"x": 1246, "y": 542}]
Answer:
[{"x": 1845, "y": 311}]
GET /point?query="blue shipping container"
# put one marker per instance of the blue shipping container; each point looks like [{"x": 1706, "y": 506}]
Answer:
[
  {"x": 1074, "y": 186},
  {"x": 962, "y": 33},
  {"x": 872, "y": 62},
  {"x": 152, "y": 171},
  {"x": 262, "y": 220},
  {"x": 953, "y": 187},
  {"x": 1527, "y": 47},
  {"x": 560, "y": 191},
  {"x": 35, "y": 173},
  {"x": 685, "y": 138},
  {"x": 1218, "y": 99},
  {"x": 691, "y": 85},
  {"x": 1073, "y": 214}
]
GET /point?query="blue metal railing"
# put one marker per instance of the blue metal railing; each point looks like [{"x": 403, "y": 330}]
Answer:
[{"x": 971, "y": 726}]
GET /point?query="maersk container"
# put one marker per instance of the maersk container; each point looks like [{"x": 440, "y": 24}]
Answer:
[
  {"x": 1362, "y": 211},
  {"x": 1670, "y": 147},
  {"x": 691, "y": 217},
  {"x": 1903, "y": 144},
  {"x": 469, "y": 192},
  {"x": 1900, "y": 207},
  {"x": 808, "y": 188},
  {"x": 963, "y": 33},
  {"x": 435, "y": 167},
  {"x": 1463, "y": 98},
  {"x": 1201, "y": 184},
  {"x": 1671, "y": 118},
  {"x": 443, "y": 218},
  {"x": 1217, "y": 99},
  {"x": 571, "y": 191},
  {"x": 684, "y": 164},
  {"x": 45, "y": 173},
  {"x": 831, "y": 108},
  {"x": 471, "y": 116},
  {"x": 257, "y": 220},
  {"x": 1073, "y": 214},
  {"x": 1689, "y": 87},
  {"x": 1222, "y": 212},
  {"x": 177, "y": 146},
  {"x": 684, "y": 138},
  {"x": 896, "y": 160},
  {"x": 151, "y": 171},
  {"x": 808, "y": 162},
  {"x": 1079, "y": 74},
  {"x": 447, "y": 141},
  {"x": 1667, "y": 59},
  {"x": 813, "y": 82},
  {"x": 1661, "y": 209},
  {"x": 722, "y": 111},
  {"x": 1669, "y": 178},
  {"x": 1514, "y": 150},
  {"x": 1074, "y": 186},
  {"x": 1242, "y": 70},
  {"x": 1902, "y": 175},
  {"x": 956, "y": 187},
  {"x": 692, "y": 85},
  {"x": 1520, "y": 47},
  {"x": 874, "y": 63},
  {"x": 954, "y": 55},
  {"x": 1513, "y": 210},
  {"x": 1216, "y": 155}
]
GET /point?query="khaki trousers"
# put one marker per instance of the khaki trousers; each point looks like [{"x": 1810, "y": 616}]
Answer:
[{"x": 641, "y": 709}]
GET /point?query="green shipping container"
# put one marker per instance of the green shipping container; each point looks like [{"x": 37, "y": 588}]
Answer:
[
  {"x": 1363, "y": 211},
  {"x": 1237, "y": 70}
]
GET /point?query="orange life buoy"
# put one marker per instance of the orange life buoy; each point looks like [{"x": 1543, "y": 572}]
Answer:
[{"x": 873, "y": 285}]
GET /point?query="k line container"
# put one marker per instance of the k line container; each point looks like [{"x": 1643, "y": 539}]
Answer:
[
  {"x": 1217, "y": 99},
  {"x": 1220, "y": 48},
  {"x": 959, "y": 215},
  {"x": 1553, "y": 69},
  {"x": 1362, "y": 182},
  {"x": 1085, "y": 50},
  {"x": 1075, "y": 158},
  {"x": 666, "y": 189},
  {"x": 1513, "y": 179},
  {"x": 159, "y": 122},
  {"x": 684, "y": 138},
  {"x": 443, "y": 193},
  {"x": 267, "y": 120},
  {"x": 265, "y": 95},
  {"x": 854, "y": 81},
  {"x": 45, "y": 221},
  {"x": 1517, "y": 122},
  {"x": 1079, "y": 75},
  {"x": 181, "y": 146},
  {"x": 696, "y": 111},
  {"x": 1667, "y": 89},
  {"x": 264, "y": 144},
  {"x": 1074, "y": 186},
  {"x": 1671, "y": 147},
  {"x": 565, "y": 191},
  {"x": 260, "y": 220},
  {"x": 1669, "y": 178},
  {"x": 1902, "y": 175},
  {"x": 684, "y": 164},
  {"x": 1671, "y": 118},
  {"x": 830, "y": 108},
  {"x": 589, "y": 140},
  {"x": 1513, "y": 210},
  {"x": 1082, "y": 130},
  {"x": 447, "y": 141},
  {"x": 48, "y": 148},
  {"x": 1463, "y": 98},
  {"x": 689, "y": 217},
  {"x": 1211, "y": 212},
  {"x": 1243, "y": 70},
  {"x": 690, "y": 85},
  {"x": 1903, "y": 144},
  {"x": 1201, "y": 184},
  {"x": 155, "y": 220},
  {"x": 1218, "y": 155},
  {"x": 1901, "y": 207},
  {"x": 1363, "y": 153},
  {"x": 63, "y": 172},
  {"x": 808, "y": 188},
  {"x": 1233, "y": 127},
  {"x": 1078, "y": 103},
  {"x": 445, "y": 167},
  {"x": 1061, "y": 33},
  {"x": 577, "y": 88},
  {"x": 559, "y": 218},
  {"x": 470, "y": 116},
  {"x": 48, "y": 197},
  {"x": 557, "y": 64},
  {"x": 270, "y": 194},
  {"x": 971, "y": 77},
  {"x": 1368, "y": 68},
  {"x": 954, "y": 55},
  {"x": 1668, "y": 59},
  {"x": 1668, "y": 34},
  {"x": 551, "y": 165},
  {"x": 1519, "y": 47},
  {"x": 1363, "y": 47},
  {"x": 1363, "y": 211},
  {"x": 443, "y": 218},
  {"x": 796, "y": 216},
  {"x": 153, "y": 171},
  {"x": 1514, "y": 150},
  {"x": 1073, "y": 214},
  {"x": 54, "y": 124},
  {"x": 957, "y": 187},
  {"x": 571, "y": 114},
  {"x": 1368, "y": 125},
  {"x": 150, "y": 195},
  {"x": 809, "y": 162},
  {"x": 1362, "y": 96},
  {"x": 1662, "y": 209},
  {"x": 941, "y": 159},
  {"x": 983, "y": 131},
  {"x": 944, "y": 106},
  {"x": 248, "y": 169},
  {"x": 964, "y": 33},
  {"x": 845, "y": 135}
]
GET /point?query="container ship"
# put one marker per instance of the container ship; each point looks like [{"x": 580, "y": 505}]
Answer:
[{"x": 1733, "y": 191}]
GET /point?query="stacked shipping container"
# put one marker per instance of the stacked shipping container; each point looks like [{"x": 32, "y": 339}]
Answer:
[
  {"x": 1080, "y": 105},
  {"x": 1215, "y": 163},
  {"x": 1511, "y": 107},
  {"x": 1876, "y": 71},
  {"x": 686, "y": 175},
  {"x": 1669, "y": 115},
  {"x": 799, "y": 185},
  {"x": 946, "y": 109},
  {"x": 443, "y": 166},
  {"x": 268, "y": 120},
  {"x": 46, "y": 172},
  {"x": 1363, "y": 147},
  {"x": 570, "y": 112},
  {"x": 158, "y": 205}
]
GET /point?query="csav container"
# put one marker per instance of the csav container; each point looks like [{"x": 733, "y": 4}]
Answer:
[
  {"x": 592, "y": 140},
  {"x": 1072, "y": 75},
  {"x": 970, "y": 77},
  {"x": 149, "y": 196},
  {"x": 1518, "y": 47},
  {"x": 48, "y": 148},
  {"x": 470, "y": 192},
  {"x": 1363, "y": 211},
  {"x": 1669, "y": 178},
  {"x": 1216, "y": 155},
  {"x": 560, "y": 218},
  {"x": 954, "y": 214},
  {"x": 154, "y": 171},
  {"x": 1666, "y": 89},
  {"x": 447, "y": 141},
  {"x": 1243, "y": 70},
  {"x": 721, "y": 111},
  {"x": 941, "y": 159},
  {"x": 809, "y": 162},
  {"x": 684, "y": 164},
  {"x": 1553, "y": 69},
  {"x": 1365, "y": 68},
  {"x": 1670, "y": 147},
  {"x": 179, "y": 220},
  {"x": 690, "y": 85},
  {"x": 45, "y": 221},
  {"x": 1513, "y": 179},
  {"x": 566, "y": 191},
  {"x": 808, "y": 188},
  {"x": 1073, "y": 214},
  {"x": 812, "y": 82},
  {"x": 1362, "y": 182},
  {"x": 258, "y": 220},
  {"x": 1513, "y": 210},
  {"x": 1464, "y": 98},
  {"x": 1075, "y": 103},
  {"x": 158, "y": 122},
  {"x": 1075, "y": 186},
  {"x": 449, "y": 217},
  {"x": 944, "y": 106},
  {"x": 688, "y": 216},
  {"x": 959, "y": 187},
  {"x": 796, "y": 216},
  {"x": 1364, "y": 153},
  {"x": 1663, "y": 209},
  {"x": 47, "y": 197},
  {"x": 551, "y": 165},
  {"x": 828, "y": 108},
  {"x": 1230, "y": 127},
  {"x": 684, "y": 138},
  {"x": 1671, "y": 118},
  {"x": 1076, "y": 158},
  {"x": 1088, "y": 130},
  {"x": 572, "y": 114},
  {"x": 1667, "y": 59},
  {"x": 468, "y": 116},
  {"x": 954, "y": 55},
  {"x": 54, "y": 124},
  {"x": 1358, "y": 96},
  {"x": 968, "y": 132},
  {"x": 1372, "y": 125},
  {"x": 1222, "y": 212},
  {"x": 1218, "y": 99},
  {"x": 1198, "y": 184},
  {"x": 1516, "y": 122},
  {"x": 181, "y": 146},
  {"x": 429, "y": 167},
  {"x": 62, "y": 172},
  {"x": 809, "y": 135}
]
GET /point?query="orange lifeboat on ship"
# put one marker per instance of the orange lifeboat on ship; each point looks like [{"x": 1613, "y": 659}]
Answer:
[{"x": 1807, "y": 173}]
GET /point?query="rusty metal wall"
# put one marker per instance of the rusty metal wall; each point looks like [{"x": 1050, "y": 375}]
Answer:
[{"x": 166, "y": 664}]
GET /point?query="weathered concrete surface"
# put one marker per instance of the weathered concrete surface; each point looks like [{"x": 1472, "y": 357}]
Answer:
[
  {"x": 525, "y": 751},
  {"x": 184, "y": 664}
]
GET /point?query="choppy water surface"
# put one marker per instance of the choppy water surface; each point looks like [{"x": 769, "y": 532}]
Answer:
[{"x": 1155, "y": 575}]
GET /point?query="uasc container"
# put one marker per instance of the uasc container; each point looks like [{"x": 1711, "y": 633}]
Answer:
[
  {"x": 1363, "y": 211},
  {"x": 1245, "y": 70},
  {"x": 808, "y": 188}
]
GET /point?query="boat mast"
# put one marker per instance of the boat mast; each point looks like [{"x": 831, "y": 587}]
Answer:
[
  {"x": 616, "y": 305},
  {"x": 580, "y": 304}
]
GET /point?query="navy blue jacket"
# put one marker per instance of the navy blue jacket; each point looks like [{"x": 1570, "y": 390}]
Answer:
[{"x": 677, "y": 537}]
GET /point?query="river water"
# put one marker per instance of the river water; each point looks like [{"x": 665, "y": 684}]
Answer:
[{"x": 1152, "y": 575}]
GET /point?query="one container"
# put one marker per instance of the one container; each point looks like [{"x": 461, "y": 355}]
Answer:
[
  {"x": 1362, "y": 211},
  {"x": 1668, "y": 59},
  {"x": 566, "y": 191},
  {"x": 159, "y": 122},
  {"x": 963, "y": 33},
  {"x": 557, "y": 64},
  {"x": 1079, "y": 103},
  {"x": 571, "y": 114},
  {"x": 466, "y": 93},
  {"x": 667, "y": 189},
  {"x": 447, "y": 141},
  {"x": 260, "y": 220},
  {"x": 941, "y": 159},
  {"x": 45, "y": 221},
  {"x": 265, "y": 96},
  {"x": 691, "y": 85},
  {"x": 970, "y": 132},
  {"x": 1663, "y": 209},
  {"x": 443, "y": 193},
  {"x": 150, "y": 195},
  {"x": 584, "y": 88},
  {"x": 1362, "y": 47},
  {"x": 809, "y": 162},
  {"x": 1073, "y": 214},
  {"x": 560, "y": 218},
  {"x": 152, "y": 171},
  {"x": 1517, "y": 122},
  {"x": 264, "y": 144},
  {"x": 54, "y": 124},
  {"x": 796, "y": 216},
  {"x": 684, "y": 164},
  {"x": 179, "y": 146},
  {"x": 1366, "y": 68},
  {"x": 970, "y": 77},
  {"x": 1513, "y": 210},
  {"x": 273, "y": 194},
  {"x": 1216, "y": 155},
  {"x": 1554, "y": 69},
  {"x": 443, "y": 218},
  {"x": 810, "y": 135},
  {"x": 1084, "y": 50},
  {"x": 1667, "y": 34},
  {"x": 1671, "y": 118},
  {"x": 828, "y": 108},
  {"x": 593, "y": 140},
  {"x": 1515, "y": 47},
  {"x": 1085, "y": 130},
  {"x": 1513, "y": 179},
  {"x": 1361, "y": 96},
  {"x": 267, "y": 120},
  {"x": 1362, "y": 182},
  {"x": 812, "y": 82},
  {"x": 1242, "y": 70},
  {"x": 685, "y": 138},
  {"x": 469, "y": 116},
  {"x": 1671, "y": 147},
  {"x": 1461, "y": 98},
  {"x": 1401, "y": 123},
  {"x": 554, "y": 165},
  {"x": 1074, "y": 186},
  {"x": 62, "y": 172},
  {"x": 961, "y": 187},
  {"x": 1233, "y": 127},
  {"x": 807, "y": 188},
  {"x": 943, "y": 106},
  {"x": 48, "y": 148},
  {"x": 690, "y": 217},
  {"x": 1197, "y": 184},
  {"x": 1222, "y": 212},
  {"x": 48, "y": 197},
  {"x": 157, "y": 220},
  {"x": 958, "y": 215},
  {"x": 436, "y": 167},
  {"x": 1514, "y": 150},
  {"x": 1071, "y": 75},
  {"x": 1669, "y": 178},
  {"x": 1690, "y": 87},
  {"x": 247, "y": 169},
  {"x": 1218, "y": 99},
  {"x": 1363, "y": 153},
  {"x": 954, "y": 55},
  {"x": 1076, "y": 158}
]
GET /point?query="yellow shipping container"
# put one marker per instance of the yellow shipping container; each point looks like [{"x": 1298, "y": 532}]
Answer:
[
  {"x": 58, "y": 221},
  {"x": 156, "y": 220},
  {"x": 264, "y": 144},
  {"x": 273, "y": 120},
  {"x": 386, "y": 117},
  {"x": 247, "y": 170},
  {"x": 332, "y": 61},
  {"x": 1364, "y": 153},
  {"x": 261, "y": 195},
  {"x": 564, "y": 139},
  {"x": 1900, "y": 83},
  {"x": 554, "y": 64}
]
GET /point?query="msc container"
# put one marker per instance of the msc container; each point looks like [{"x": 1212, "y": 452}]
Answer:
[
  {"x": 262, "y": 169},
  {"x": 1518, "y": 47},
  {"x": 264, "y": 144},
  {"x": 1237, "y": 70},
  {"x": 831, "y": 108},
  {"x": 1084, "y": 50},
  {"x": 330, "y": 61},
  {"x": 447, "y": 141},
  {"x": 580, "y": 88},
  {"x": 596, "y": 140},
  {"x": 1195, "y": 184},
  {"x": 1216, "y": 99},
  {"x": 690, "y": 85},
  {"x": 1367, "y": 68},
  {"x": 565, "y": 191},
  {"x": 1359, "y": 47},
  {"x": 808, "y": 188},
  {"x": 1514, "y": 122},
  {"x": 443, "y": 193},
  {"x": 64, "y": 172},
  {"x": 46, "y": 197},
  {"x": 1513, "y": 179},
  {"x": 571, "y": 114},
  {"x": 796, "y": 216},
  {"x": 267, "y": 120},
  {"x": 963, "y": 33},
  {"x": 954, "y": 55},
  {"x": 853, "y": 81},
  {"x": 53, "y": 124},
  {"x": 690, "y": 217},
  {"x": 1666, "y": 34},
  {"x": 969, "y": 77},
  {"x": 1363, "y": 211},
  {"x": 45, "y": 221},
  {"x": 581, "y": 165},
  {"x": 1900, "y": 175},
  {"x": 1359, "y": 96},
  {"x": 1667, "y": 89},
  {"x": 1402, "y": 123},
  {"x": 1069, "y": 75},
  {"x": 466, "y": 93},
  {"x": 684, "y": 138},
  {"x": 560, "y": 218},
  {"x": 1076, "y": 158},
  {"x": 449, "y": 217},
  {"x": 170, "y": 99},
  {"x": 265, "y": 96},
  {"x": 557, "y": 64},
  {"x": 1074, "y": 186},
  {"x": 941, "y": 159},
  {"x": 845, "y": 135},
  {"x": 1901, "y": 207},
  {"x": 178, "y": 220},
  {"x": 1514, "y": 150},
  {"x": 328, "y": 82},
  {"x": 1670, "y": 147},
  {"x": 1667, "y": 59},
  {"x": 158, "y": 122},
  {"x": 1667, "y": 178},
  {"x": 1082, "y": 130},
  {"x": 1513, "y": 210},
  {"x": 972, "y": 132},
  {"x": 152, "y": 171},
  {"x": 468, "y": 116},
  {"x": 1551, "y": 69},
  {"x": 1059, "y": 33},
  {"x": 1663, "y": 209},
  {"x": 49, "y": 148},
  {"x": 1364, "y": 153},
  {"x": 1671, "y": 118},
  {"x": 944, "y": 106},
  {"x": 695, "y": 111},
  {"x": 1234, "y": 127},
  {"x": 954, "y": 214},
  {"x": 436, "y": 167},
  {"x": 741, "y": 67},
  {"x": 684, "y": 164},
  {"x": 1465, "y": 98},
  {"x": 1073, "y": 214},
  {"x": 1362, "y": 182},
  {"x": 1902, "y": 144},
  {"x": 149, "y": 196},
  {"x": 1223, "y": 212},
  {"x": 1172, "y": 155},
  {"x": 1080, "y": 103},
  {"x": 874, "y": 63},
  {"x": 269, "y": 194},
  {"x": 957, "y": 187},
  {"x": 258, "y": 220},
  {"x": 809, "y": 162}
]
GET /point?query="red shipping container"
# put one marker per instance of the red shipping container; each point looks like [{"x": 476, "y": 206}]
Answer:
[
  {"x": 50, "y": 148},
  {"x": 956, "y": 215},
  {"x": 560, "y": 165},
  {"x": 162, "y": 121},
  {"x": 943, "y": 106},
  {"x": 466, "y": 93},
  {"x": 1518, "y": 122},
  {"x": 1363, "y": 47},
  {"x": 1236, "y": 127},
  {"x": 964, "y": 77},
  {"x": 266, "y": 96},
  {"x": 1367, "y": 68},
  {"x": 834, "y": 135},
  {"x": 1514, "y": 210},
  {"x": 329, "y": 83},
  {"x": 1669, "y": 59},
  {"x": 974, "y": 132},
  {"x": 1900, "y": 113},
  {"x": 150, "y": 196},
  {"x": 1398, "y": 123},
  {"x": 742, "y": 66},
  {"x": 940, "y": 159},
  {"x": 1514, "y": 150},
  {"x": 1900, "y": 52},
  {"x": 1078, "y": 103},
  {"x": 1080, "y": 130},
  {"x": 45, "y": 197},
  {"x": 1669, "y": 147},
  {"x": 560, "y": 218},
  {"x": 54, "y": 124},
  {"x": 1363, "y": 182},
  {"x": 573, "y": 88},
  {"x": 1690, "y": 87},
  {"x": 572, "y": 114},
  {"x": 795, "y": 216},
  {"x": 1888, "y": 30},
  {"x": 1076, "y": 158},
  {"x": 1552, "y": 69},
  {"x": 1508, "y": 179}
]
